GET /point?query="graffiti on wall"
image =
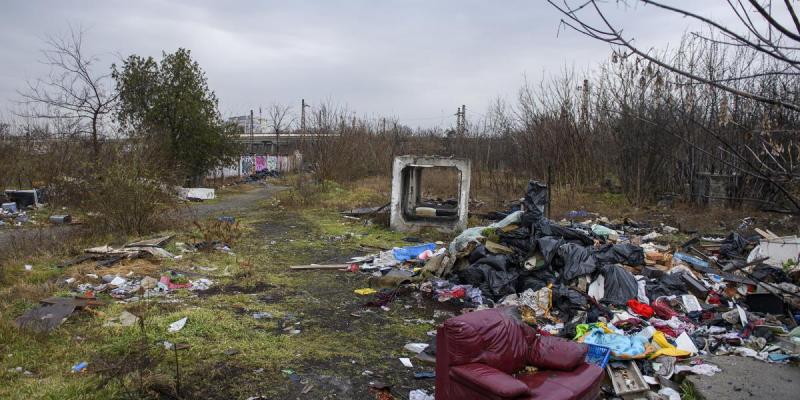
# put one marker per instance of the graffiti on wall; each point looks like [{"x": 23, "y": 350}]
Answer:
[{"x": 249, "y": 165}]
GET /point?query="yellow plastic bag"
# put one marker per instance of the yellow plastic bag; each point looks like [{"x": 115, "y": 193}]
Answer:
[
  {"x": 666, "y": 348},
  {"x": 365, "y": 291}
]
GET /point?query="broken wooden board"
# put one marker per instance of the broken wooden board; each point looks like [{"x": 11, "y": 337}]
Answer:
[
  {"x": 45, "y": 318},
  {"x": 77, "y": 303},
  {"x": 155, "y": 242},
  {"x": 766, "y": 234},
  {"x": 320, "y": 266}
]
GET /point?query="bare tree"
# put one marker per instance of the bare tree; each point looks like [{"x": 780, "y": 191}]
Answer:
[
  {"x": 764, "y": 72},
  {"x": 72, "y": 90},
  {"x": 280, "y": 118},
  {"x": 758, "y": 30}
]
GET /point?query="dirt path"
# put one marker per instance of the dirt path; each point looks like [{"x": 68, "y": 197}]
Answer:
[{"x": 243, "y": 200}]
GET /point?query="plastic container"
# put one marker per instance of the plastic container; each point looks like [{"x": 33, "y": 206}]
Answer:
[{"x": 598, "y": 355}]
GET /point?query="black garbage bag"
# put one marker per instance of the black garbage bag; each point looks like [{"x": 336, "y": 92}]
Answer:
[
  {"x": 548, "y": 246},
  {"x": 769, "y": 274},
  {"x": 494, "y": 275},
  {"x": 578, "y": 261},
  {"x": 597, "y": 310},
  {"x": 545, "y": 228},
  {"x": 624, "y": 253},
  {"x": 534, "y": 202},
  {"x": 666, "y": 285},
  {"x": 733, "y": 246},
  {"x": 477, "y": 253},
  {"x": 519, "y": 239},
  {"x": 535, "y": 279},
  {"x": 620, "y": 284},
  {"x": 568, "y": 301}
]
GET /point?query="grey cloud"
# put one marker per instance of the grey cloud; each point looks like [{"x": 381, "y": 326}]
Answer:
[{"x": 413, "y": 59}]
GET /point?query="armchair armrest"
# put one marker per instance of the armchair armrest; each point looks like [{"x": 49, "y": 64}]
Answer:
[
  {"x": 488, "y": 379},
  {"x": 550, "y": 352}
]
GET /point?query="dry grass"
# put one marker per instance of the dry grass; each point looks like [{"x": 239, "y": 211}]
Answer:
[{"x": 139, "y": 267}]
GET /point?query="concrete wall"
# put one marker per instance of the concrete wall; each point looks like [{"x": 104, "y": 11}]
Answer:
[{"x": 406, "y": 186}]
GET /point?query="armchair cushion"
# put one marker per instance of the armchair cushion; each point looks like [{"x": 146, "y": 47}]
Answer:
[
  {"x": 488, "y": 379},
  {"x": 550, "y": 352}
]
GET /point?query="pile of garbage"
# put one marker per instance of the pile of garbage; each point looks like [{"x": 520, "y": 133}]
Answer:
[
  {"x": 652, "y": 308},
  {"x": 11, "y": 215},
  {"x": 91, "y": 289}
]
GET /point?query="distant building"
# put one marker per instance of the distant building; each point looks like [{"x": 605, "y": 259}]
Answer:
[{"x": 259, "y": 124}]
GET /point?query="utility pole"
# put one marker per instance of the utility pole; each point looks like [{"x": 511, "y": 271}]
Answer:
[
  {"x": 303, "y": 106},
  {"x": 585, "y": 104},
  {"x": 252, "y": 133},
  {"x": 463, "y": 118}
]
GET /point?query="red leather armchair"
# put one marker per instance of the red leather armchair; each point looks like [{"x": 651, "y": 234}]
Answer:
[{"x": 482, "y": 355}]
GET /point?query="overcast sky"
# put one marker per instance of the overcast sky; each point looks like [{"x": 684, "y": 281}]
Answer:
[{"x": 417, "y": 60}]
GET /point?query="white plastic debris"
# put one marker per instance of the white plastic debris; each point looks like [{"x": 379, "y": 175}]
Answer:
[
  {"x": 406, "y": 362},
  {"x": 685, "y": 343},
  {"x": 416, "y": 347},
  {"x": 651, "y": 236},
  {"x": 669, "y": 393},
  {"x": 419, "y": 394},
  {"x": 118, "y": 281},
  {"x": 699, "y": 369},
  {"x": 597, "y": 288},
  {"x": 690, "y": 303},
  {"x": 28, "y": 267},
  {"x": 201, "y": 284},
  {"x": 669, "y": 229},
  {"x": 177, "y": 325}
]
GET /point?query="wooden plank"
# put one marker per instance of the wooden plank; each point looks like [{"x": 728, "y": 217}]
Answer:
[
  {"x": 766, "y": 234},
  {"x": 320, "y": 266}
]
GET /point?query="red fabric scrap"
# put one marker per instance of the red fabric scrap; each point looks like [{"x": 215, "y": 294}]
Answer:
[{"x": 640, "y": 308}]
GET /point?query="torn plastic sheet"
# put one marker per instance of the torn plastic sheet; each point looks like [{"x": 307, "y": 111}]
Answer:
[{"x": 474, "y": 234}]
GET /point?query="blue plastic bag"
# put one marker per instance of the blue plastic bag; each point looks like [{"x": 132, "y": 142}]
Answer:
[{"x": 403, "y": 254}]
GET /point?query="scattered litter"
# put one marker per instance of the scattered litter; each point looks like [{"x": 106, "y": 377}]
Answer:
[
  {"x": 80, "y": 367},
  {"x": 125, "y": 319},
  {"x": 365, "y": 291},
  {"x": 406, "y": 362},
  {"x": 424, "y": 375},
  {"x": 699, "y": 369},
  {"x": 419, "y": 394},
  {"x": 177, "y": 325},
  {"x": 416, "y": 347}
]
